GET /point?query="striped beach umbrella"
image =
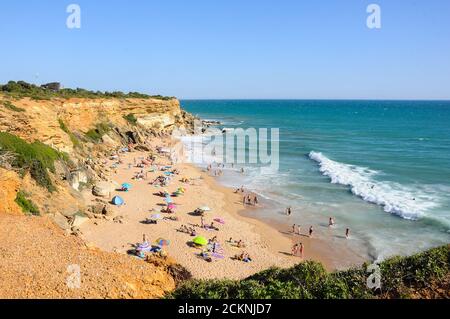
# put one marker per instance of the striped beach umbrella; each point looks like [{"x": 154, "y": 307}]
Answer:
[{"x": 162, "y": 242}]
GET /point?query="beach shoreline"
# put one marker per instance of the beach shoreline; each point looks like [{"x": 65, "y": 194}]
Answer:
[{"x": 268, "y": 244}]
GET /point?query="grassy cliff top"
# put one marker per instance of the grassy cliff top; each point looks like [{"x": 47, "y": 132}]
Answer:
[{"x": 23, "y": 89}]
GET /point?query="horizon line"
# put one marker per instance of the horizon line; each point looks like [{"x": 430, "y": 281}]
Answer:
[{"x": 315, "y": 99}]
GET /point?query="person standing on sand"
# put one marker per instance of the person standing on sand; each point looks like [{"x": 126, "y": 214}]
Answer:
[
  {"x": 311, "y": 231},
  {"x": 298, "y": 229},
  {"x": 293, "y": 228},
  {"x": 294, "y": 250},
  {"x": 255, "y": 200},
  {"x": 347, "y": 233},
  {"x": 300, "y": 250}
]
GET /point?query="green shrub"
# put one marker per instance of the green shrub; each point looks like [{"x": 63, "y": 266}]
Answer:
[
  {"x": 130, "y": 118},
  {"x": 23, "y": 89},
  {"x": 36, "y": 157},
  {"x": 27, "y": 205},
  {"x": 12, "y": 107},
  {"x": 96, "y": 133},
  {"x": 73, "y": 138},
  {"x": 399, "y": 276}
]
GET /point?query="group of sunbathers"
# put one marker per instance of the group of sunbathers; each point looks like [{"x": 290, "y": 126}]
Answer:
[
  {"x": 188, "y": 230},
  {"x": 238, "y": 243}
]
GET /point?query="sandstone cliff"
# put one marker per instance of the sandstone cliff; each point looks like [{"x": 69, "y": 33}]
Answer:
[
  {"x": 41, "y": 119},
  {"x": 84, "y": 129},
  {"x": 79, "y": 132}
]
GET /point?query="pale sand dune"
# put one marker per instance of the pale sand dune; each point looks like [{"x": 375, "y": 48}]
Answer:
[{"x": 266, "y": 245}]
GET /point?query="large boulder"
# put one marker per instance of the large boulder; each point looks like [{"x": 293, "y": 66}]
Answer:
[
  {"x": 60, "y": 220},
  {"x": 79, "y": 220},
  {"x": 106, "y": 139},
  {"x": 102, "y": 189},
  {"x": 78, "y": 178}
]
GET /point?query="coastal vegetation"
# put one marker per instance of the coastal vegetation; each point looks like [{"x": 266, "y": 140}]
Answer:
[
  {"x": 12, "y": 107},
  {"x": 130, "y": 118},
  {"x": 28, "y": 207},
  {"x": 96, "y": 133},
  {"x": 421, "y": 274},
  {"x": 36, "y": 157},
  {"x": 21, "y": 89},
  {"x": 73, "y": 138}
]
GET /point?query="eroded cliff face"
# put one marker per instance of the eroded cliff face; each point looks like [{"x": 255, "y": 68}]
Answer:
[
  {"x": 63, "y": 124},
  {"x": 85, "y": 130},
  {"x": 41, "y": 119},
  {"x": 10, "y": 184}
]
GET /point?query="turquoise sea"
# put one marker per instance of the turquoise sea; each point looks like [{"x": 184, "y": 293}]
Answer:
[{"x": 381, "y": 168}]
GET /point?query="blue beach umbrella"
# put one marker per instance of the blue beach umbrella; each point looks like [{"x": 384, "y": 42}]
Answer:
[
  {"x": 126, "y": 186},
  {"x": 118, "y": 201}
]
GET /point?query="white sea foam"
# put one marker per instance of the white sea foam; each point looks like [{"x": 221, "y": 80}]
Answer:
[{"x": 407, "y": 202}]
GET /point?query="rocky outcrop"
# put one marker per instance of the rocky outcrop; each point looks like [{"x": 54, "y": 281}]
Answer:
[{"x": 102, "y": 189}]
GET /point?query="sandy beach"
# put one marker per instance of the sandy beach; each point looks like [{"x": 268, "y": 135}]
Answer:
[{"x": 267, "y": 245}]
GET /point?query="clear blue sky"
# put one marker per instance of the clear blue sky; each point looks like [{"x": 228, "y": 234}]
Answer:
[{"x": 232, "y": 48}]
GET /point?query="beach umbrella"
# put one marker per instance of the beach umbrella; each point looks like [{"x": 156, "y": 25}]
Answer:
[
  {"x": 201, "y": 241},
  {"x": 162, "y": 242},
  {"x": 219, "y": 220},
  {"x": 126, "y": 186},
  {"x": 118, "y": 201},
  {"x": 205, "y": 208},
  {"x": 171, "y": 206},
  {"x": 144, "y": 246},
  {"x": 168, "y": 200},
  {"x": 155, "y": 216}
]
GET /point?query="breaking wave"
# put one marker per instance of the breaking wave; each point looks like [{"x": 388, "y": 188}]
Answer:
[{"x": 407, "y": 202}]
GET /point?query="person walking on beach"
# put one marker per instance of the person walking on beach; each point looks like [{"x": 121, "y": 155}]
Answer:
[
  {"x": 288, "y": 211},
  {"x": 347, "y": 233},
  {"x": 244, "y": 200},
  {"x": 298, "y": 229},
  {"x": 293, "y": 228},
  {"x": 255, "y": 200},
  {"x": 311, "y": 231}
]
